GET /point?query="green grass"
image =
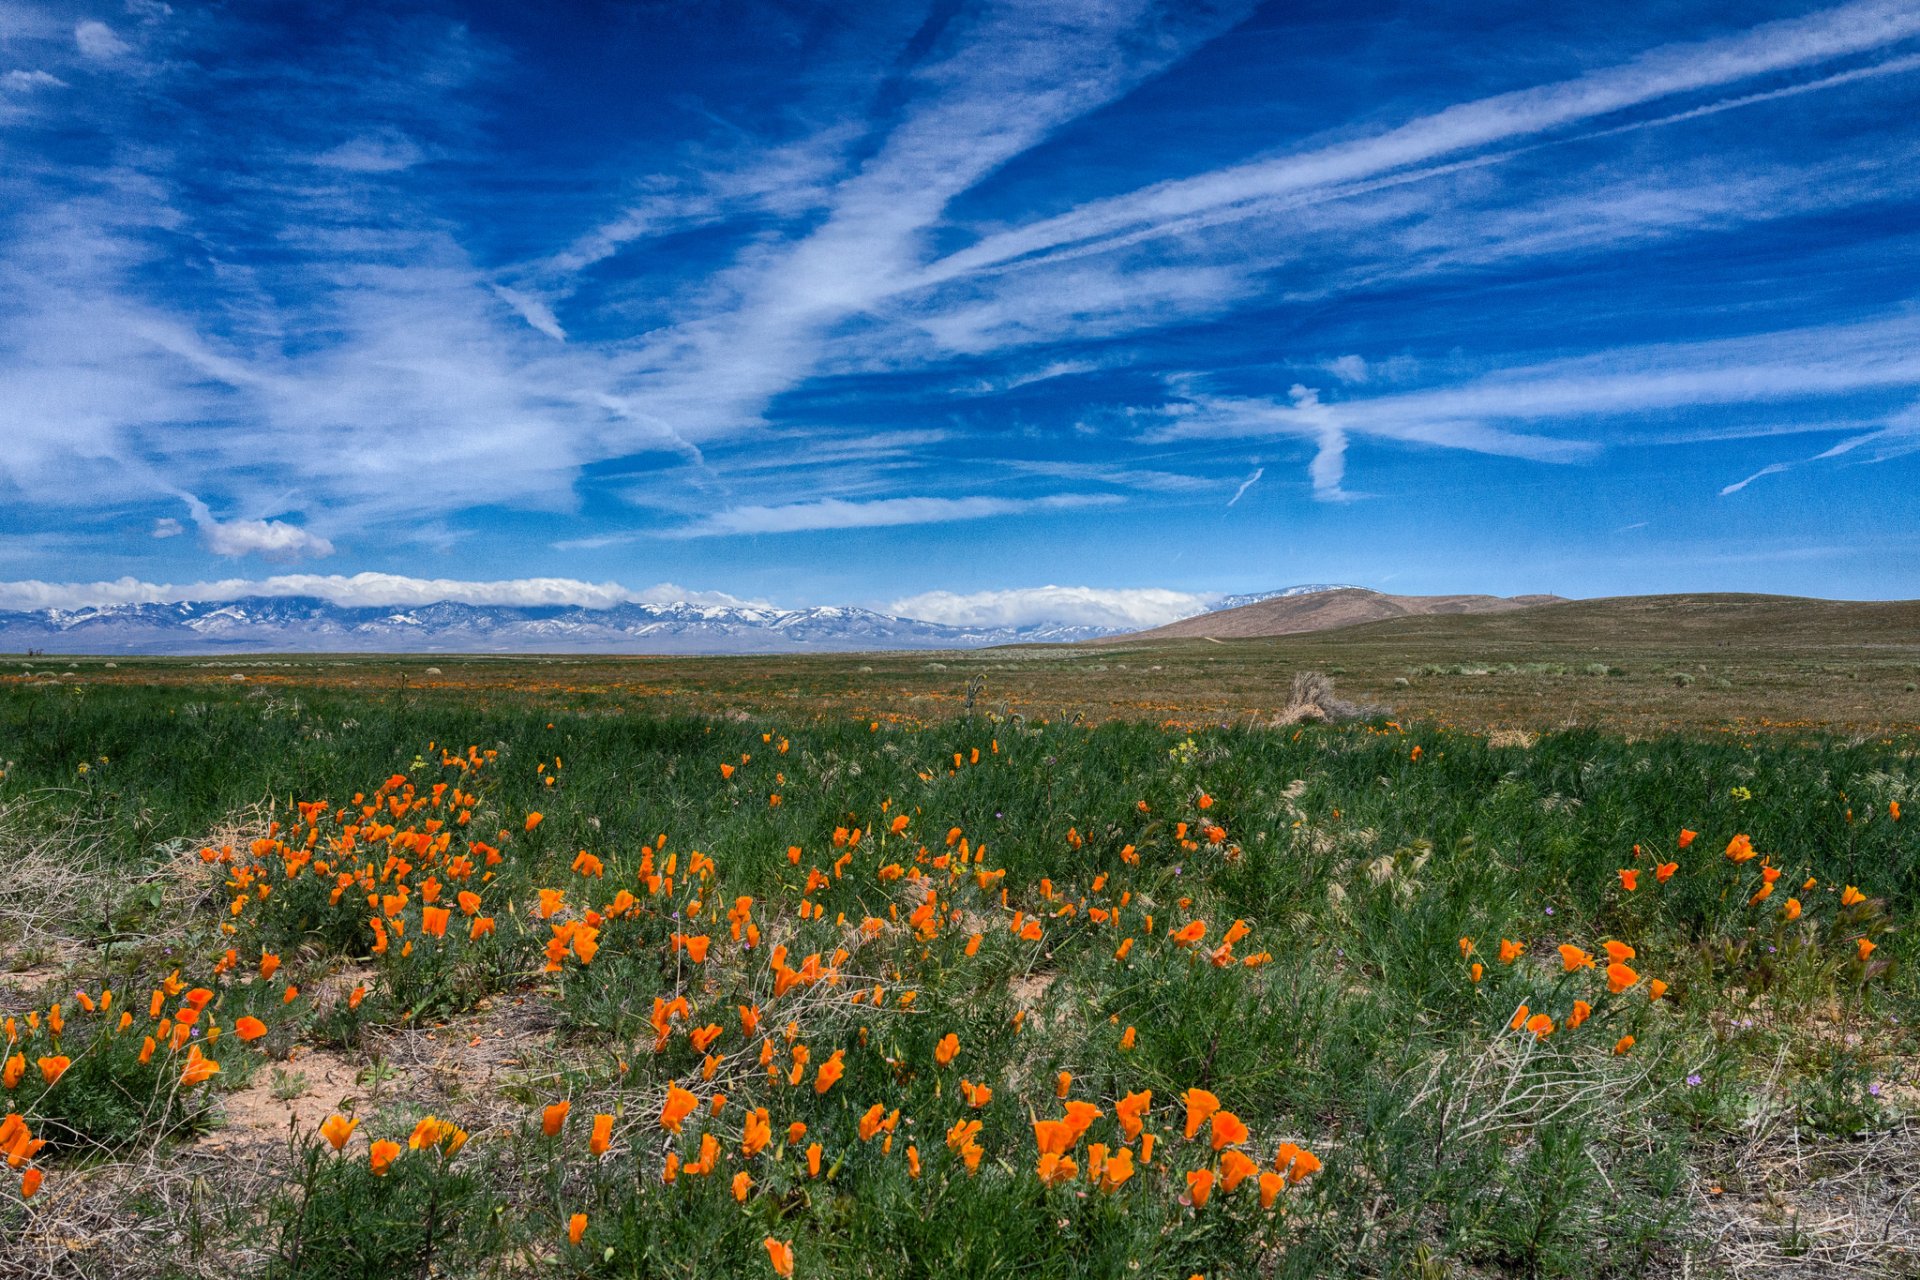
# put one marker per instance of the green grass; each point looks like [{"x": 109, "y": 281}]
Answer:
[{"x": 1451, "y": 1145}]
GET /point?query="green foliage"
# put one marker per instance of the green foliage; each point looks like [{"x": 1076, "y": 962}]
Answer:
[{"x": 1358, "y": 858}]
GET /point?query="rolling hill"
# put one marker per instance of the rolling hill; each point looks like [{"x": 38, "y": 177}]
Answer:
[{"x": 1324, "y": 610}]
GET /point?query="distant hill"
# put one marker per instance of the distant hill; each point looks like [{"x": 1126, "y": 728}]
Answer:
[
  {"x": 1322, "y": 609},
  {"x": 1733, "y": 620}
]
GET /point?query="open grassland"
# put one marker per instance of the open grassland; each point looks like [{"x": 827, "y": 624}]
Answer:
[
  {"x": 668, "y": 969},
  {"x": 1640, "y": 665}
]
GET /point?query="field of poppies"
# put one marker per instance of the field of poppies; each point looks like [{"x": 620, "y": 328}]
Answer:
[{"x": 344, "y": 984}]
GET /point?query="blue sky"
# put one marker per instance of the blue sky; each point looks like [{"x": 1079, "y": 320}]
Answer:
[{"x": 980, "y": 312}]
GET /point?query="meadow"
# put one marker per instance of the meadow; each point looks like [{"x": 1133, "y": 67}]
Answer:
[{"x": 877, "y": 967}]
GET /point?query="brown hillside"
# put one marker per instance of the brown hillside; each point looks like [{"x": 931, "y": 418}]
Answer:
[{"x": 1325, "y": 610}]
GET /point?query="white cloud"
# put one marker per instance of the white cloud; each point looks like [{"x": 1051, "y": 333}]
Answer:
[
  {"x": 97, "y": 40},
  {"x": 1348, "y": 369},
  {"x": 168, "y": 527},
  {"x": 269, "y": 539},
  {"x": 533, "y": 311},
  {"x": 1259, "y": 187},
  {"x": 1771, "y": 469},
  {"x": 837, "y": 513},
  {"x": 368, "y": 590},
  {"x": 387, "y": 152},
  {"x": 1247, "y": 484},
  {"x": 1131, "y": 609},
  {"x": 27, "y": 81}
]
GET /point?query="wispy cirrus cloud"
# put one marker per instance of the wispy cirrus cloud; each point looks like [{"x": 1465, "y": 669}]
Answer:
[
  {"x": 950, "y": 240},
  {"x": 1252, "y": 189},
  {"x": 836, "y": 513},
  {"x": 1482, "y": 415}
]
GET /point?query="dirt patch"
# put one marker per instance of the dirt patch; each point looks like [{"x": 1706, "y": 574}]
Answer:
[
  {"x": 296, "y": 1095},
  {"x": 463, "y": 1069}
]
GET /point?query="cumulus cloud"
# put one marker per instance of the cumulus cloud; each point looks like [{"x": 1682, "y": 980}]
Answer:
[
  {"x": 1348, "y": 369},
  {"x": 368, "y": 590},
  {"x": 97, "y": 40},
  {"x": 168, "y": 527},
  {"x": 838, "y": 513},
  {"x": 1123, "y": 608},
  {"x": 269, "y": 539}
]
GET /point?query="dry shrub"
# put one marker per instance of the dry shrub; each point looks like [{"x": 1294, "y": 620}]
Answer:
[
  {"x": 1312, "y": 700},
  {"x": 52, "y": 878}
]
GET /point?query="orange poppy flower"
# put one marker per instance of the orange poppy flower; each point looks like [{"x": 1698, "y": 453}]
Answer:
[
  {"x": 1572, "y": 957},
  {"x": 1199, "y": 1187},
  {"x": 381, "y": 1155},
  {"x": 554, "y": 1117},
  {"x": 1686, "y": 837},
  {"x": 1062, "y": 1084},
  {"x": 1131, "y": 1112},
  {"x": 1851, "y": 895},
  {"x": 1235, "y": 1168},
  {"x": 336, "y": 1129},
  {"x": 1270, "y": 1185},
  {"x": 602, "y": 1136},
  {"x": 1511, "y": 951},
  {"x": 1792, "y": 910},
  {"x": 780, "y": 1255},
  {"x": 1200, "y": 1108},
  {"x": 1619, "y": 952},
  {"x": 947, "y": 1049},
  {"x": 678, "y": 1106},
  {"x": 1623, "y": 1044},
  {"x": 1620, "y": 977},
  {"x": 1629, "y": 878},
  {"x": 1117, "y": 1170},
  {"x": 198, "y": 1069},
  {"x": 249, "y": 1028},
  {"x": 576, "y": 1227},
  {"x": 1866, "y": 948},
  {"x": 1664, "y": 872},
  {"x": 1740, "y": 848},
  {"x": 30, "y": 1184},
  {"x": 1227, "y": 1130}
]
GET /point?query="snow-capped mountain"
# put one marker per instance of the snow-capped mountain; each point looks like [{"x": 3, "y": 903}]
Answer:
[
  {"x": 267, "y": 623},
  {"x": 256, "y": 624},
  {"x": 1308, "y": 589}
]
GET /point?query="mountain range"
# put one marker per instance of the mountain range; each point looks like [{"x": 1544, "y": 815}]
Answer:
[{"x": 309, "y": 624}]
